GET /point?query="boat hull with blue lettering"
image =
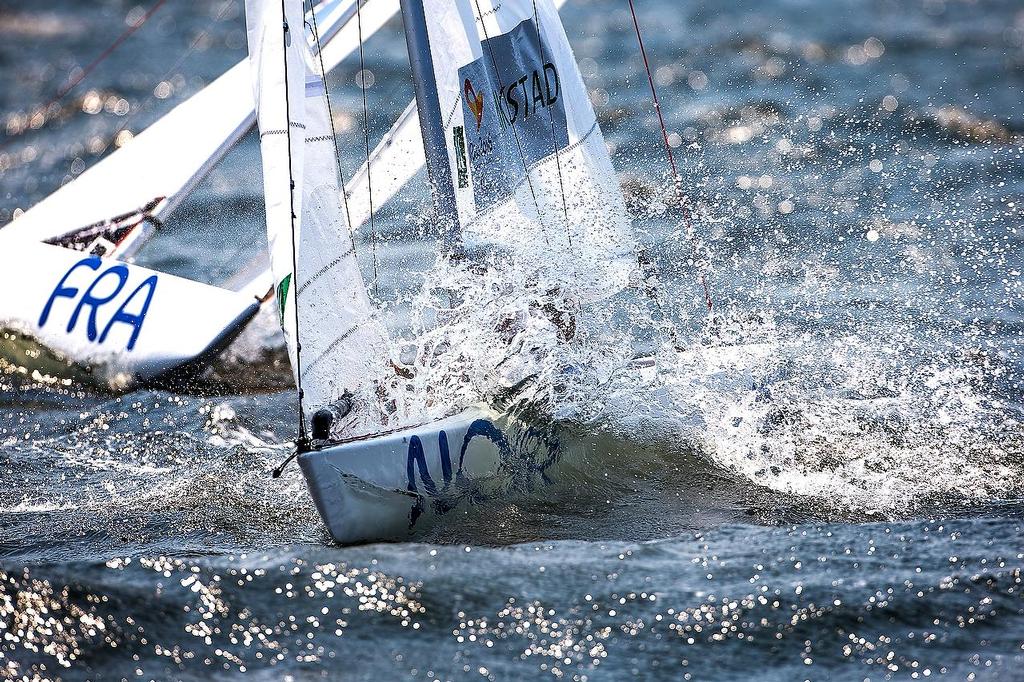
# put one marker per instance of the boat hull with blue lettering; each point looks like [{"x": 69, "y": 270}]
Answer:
[
  {"x": 395, "y": 485},
  {"x": 73, "y": 316}
]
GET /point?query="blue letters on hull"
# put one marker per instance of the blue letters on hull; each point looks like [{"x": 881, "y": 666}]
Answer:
[
  {"x": 538, "y": 450},
  {"x": 417, "y": 460},
  {"x": 115, "y": 275}
]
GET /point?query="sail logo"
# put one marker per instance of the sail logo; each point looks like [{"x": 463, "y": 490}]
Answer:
[
  {"x": 475, "y": 102},
  {"x": 102, "y": 290},
  {"x": 514, "y": 94},
  {"x": 522, "y": 97},
  {"x": 461, "y": 165}
]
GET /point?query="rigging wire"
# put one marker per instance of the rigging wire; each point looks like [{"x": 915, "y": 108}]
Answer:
[
  {"x": 515, "y": 133},
  {"x": 168, "y": 74},
  {"x": 677, "y": 179},
  {"x": 554, "y": 146},
  {"x": 303, "y": 441},
  {"x": 366, "y": 145},
  {"x": 554, "y": 143},
  {"x": 330, "y": 115}
]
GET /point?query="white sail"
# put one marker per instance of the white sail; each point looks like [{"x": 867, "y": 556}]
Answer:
[
  {"x": 139, "y": 184},
  {"x": 528, "y": 161},
  {"x": 115, "y": 205},
  {"x": 148, "y": 176},
  {"x": 393, "y": 163},
  {"x": 343, "y": 348}
]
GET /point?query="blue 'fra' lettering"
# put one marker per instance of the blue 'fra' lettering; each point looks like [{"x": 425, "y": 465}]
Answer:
[{"x": 94, "y": 302}]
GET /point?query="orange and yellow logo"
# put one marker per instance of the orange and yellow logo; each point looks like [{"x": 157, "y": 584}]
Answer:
[{"x": 475, "y": 101}]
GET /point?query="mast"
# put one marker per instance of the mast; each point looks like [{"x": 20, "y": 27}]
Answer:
[{"x": 439, "y": 172}]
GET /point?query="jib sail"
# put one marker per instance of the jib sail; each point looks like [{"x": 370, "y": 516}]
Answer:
[
  {"x": 343, "y": 347},
  {"x": 527, "y": 159}
]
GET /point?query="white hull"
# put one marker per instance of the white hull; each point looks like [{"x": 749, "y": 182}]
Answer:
[
  {"x": 115, "y": 323},
  {"x": 389, "y": 487}
]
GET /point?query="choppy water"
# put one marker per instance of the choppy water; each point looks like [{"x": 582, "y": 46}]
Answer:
[{"x": 826, "y": 485}]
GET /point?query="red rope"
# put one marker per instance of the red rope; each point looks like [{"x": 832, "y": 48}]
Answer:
[
  {"x": 678, "y": 181},
  {"x": 106, "y": 53},
  {"x": 71, "y": 84},
  {"x": 103, "y": 55}
]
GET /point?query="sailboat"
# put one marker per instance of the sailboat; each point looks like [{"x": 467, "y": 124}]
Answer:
[{"x": 517, "y": 166}]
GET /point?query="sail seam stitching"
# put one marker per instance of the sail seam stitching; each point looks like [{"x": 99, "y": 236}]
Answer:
[
  {"x": 282, "y": 131},
  {"x": 322, "y": 271},
  {"x": 334, "y": 344},
  {"x": 451, "y": 113},
  {"x": 493, "y": 10}
]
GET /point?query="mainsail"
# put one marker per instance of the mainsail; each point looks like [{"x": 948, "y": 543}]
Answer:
[
  {"x": 322, "y": 299},
  {"x": 529, "y": 166}
]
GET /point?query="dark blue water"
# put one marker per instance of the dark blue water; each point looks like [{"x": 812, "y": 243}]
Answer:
[{"x": 831, "y": 490}]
